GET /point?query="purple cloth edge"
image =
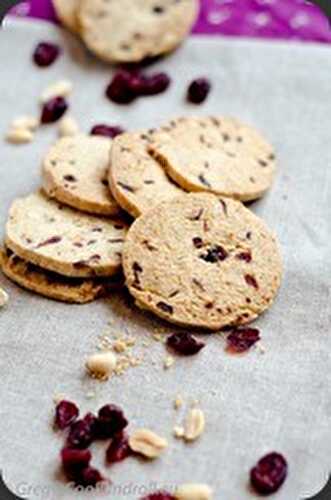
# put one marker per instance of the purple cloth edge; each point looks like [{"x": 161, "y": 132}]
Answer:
[{"x": 240, "y": 18}]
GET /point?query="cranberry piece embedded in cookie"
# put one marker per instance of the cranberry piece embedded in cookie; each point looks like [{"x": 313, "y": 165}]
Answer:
[
  {"x": 269, "y": 474},
  {"x": 107, "y": 130},
  {"x": 214, "y": 254},
  {"x": 242, "y": 339},
  {"x": 46, "y": 54},
  {"x": 66, "y": 413},
  {"x": 185, "y": 344},
  {"x": 111, "y": 420},
  {"x": 53, "y": 110},
  {"x": 198, "y": 90},
  {"x": 118, "y": 449}
]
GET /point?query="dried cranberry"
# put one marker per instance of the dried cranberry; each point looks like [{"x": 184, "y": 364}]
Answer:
[
  {"x": 198, "y": 90},
  {"x": 74, "y": 461},
  {"x": 127, "y": 85},
  {"x": 185, "y": 343},
  {"x": 154, "y": 84},
  {"x": 66, "y": 413},
  {"x": 119, "y": 89},
  {"x": 81, "y": 435},
  {"x": 159, "y": 495},
  {"x": 92, "y": 421},
  {"x": 53, "y": 110},
  {"x": 89, "y": 477},
  {"x": 242, "y": 339},
  {"x": 118, "y": 449},
  {"x": 111, "y": 420},
  {"x": 214, "y": 254},
  {"x": 107, "y": 130},
  {"x": 269, "y": 473},
  {"x": 45, "y": 54}
]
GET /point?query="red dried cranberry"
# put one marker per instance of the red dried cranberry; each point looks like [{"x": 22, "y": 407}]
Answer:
[
  {"x": 66, "y": 413},
  {"x": 106, "y": 130},
  {"x": 92, "y": 421},
  {"x": 269, "y": 473},
  {"x": 111, "y": 420},
  {"x": 118, "y": 449},
  {"x": 127, "y": 85},
  {"x": 81, "y": 435},
  {"x": 242, "y": 339},
  {"x": 154, "y": 84},
  {"x": 119, "y": 89},
  {"x": 89, "y": 477},
  {"x": 74, "y": 461},
  {"x": 198, "y": 90},
  {"x": 185, "y": 343},
  {"x": 159, "y": 495},
  {"x": 214, "y": 254},
  {"x": 53, "y": 110},
  {"x": 45, "y": 54}
]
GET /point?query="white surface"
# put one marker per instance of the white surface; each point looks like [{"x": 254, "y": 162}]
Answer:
[{"x": 254, "y": 403}]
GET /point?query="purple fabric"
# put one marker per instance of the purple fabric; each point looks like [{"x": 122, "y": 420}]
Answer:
[{"x": 284, "y": 19}]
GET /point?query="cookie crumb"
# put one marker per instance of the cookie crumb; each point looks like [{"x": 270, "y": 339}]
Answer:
[
  {"x": 101, "y": 366},
  {"x": 62, "y": 88},
  {"x": 168, "y": 362},
  {"x": 90, "y": 395},
  {"x": 4, "y": 298},
  {"x": 147, "y": 443},
  {"x": 179, "y": 431},
  {"x": 261, "y": 348},
  {"x": 194, "y": 492},
  {"x": 178, "y": 403},
  {"x": 57, "y": 398},
  {"x": 68, "y": 127}
]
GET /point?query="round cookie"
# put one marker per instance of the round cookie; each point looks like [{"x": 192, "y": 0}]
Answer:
[
  {"x": 75, "y": 172},
  {"x": 66, "y": 11},
  {"x": 202, "y": 261},
  {"x": 63, "y": 240},
  {"x": 53, "y": 285},
  {"x": 220, "y": 155},
  {"x": 132, "y": 30},
  {"x": 137, "y": 181}
]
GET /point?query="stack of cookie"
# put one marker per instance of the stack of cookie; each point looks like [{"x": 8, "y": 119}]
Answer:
[
  {"x": 199, "y": 258},
  {"x": 129, "y": 30},
  {"x": 57, "y": 248}
]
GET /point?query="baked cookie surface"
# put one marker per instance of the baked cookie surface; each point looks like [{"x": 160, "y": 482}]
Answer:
[
  {"x": 66, "y": 11},
  {"x": 53, "y": 285},
  {"x": 136, "y": 180},
  {"x": 204, "y": 261},
  {"x": 75, "y": 173},
  {"x": 131, "y": 30},
  {"x": 220, "y": 155},
  {"x": 59, "y": 239}
]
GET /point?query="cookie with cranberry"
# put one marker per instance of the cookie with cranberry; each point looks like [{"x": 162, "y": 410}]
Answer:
[
  {"x": 75, "y": 171},
  {"x": 53, "y": 285},
  {"x": 132, "y": 30},
  {"x": 137, "y": 181},
  {"x": 202, "y": 261},
  {"x": 63, "y": 240},
  {"x": 220, "y": 155},
  {"x": 66, "y": 11}
]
